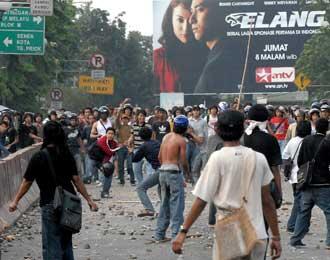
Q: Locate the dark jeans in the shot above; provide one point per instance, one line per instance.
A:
(107, 182)
(212, 214)
(123, 155)
(56, 242)
(319, 196)
(295, 209)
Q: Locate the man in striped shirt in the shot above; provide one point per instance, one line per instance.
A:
(137, 141)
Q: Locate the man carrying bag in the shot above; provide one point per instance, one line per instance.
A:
(56, 239)
(236, 179)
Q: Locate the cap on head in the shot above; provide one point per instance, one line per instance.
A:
(313, 111)
(325, 107)
(223, 106)
(181, 121)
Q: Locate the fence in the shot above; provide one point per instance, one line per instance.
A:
(12, 169)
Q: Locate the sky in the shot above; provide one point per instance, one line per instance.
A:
(138, 16)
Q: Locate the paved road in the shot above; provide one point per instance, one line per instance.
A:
(115, 233)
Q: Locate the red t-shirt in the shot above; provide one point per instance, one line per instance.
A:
(107, 146)
(164, 72)
(282, 129)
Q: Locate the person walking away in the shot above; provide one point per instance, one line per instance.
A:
(124, 131)
(56, 242)
(291, 152)
(136, 141)
(148, 150)
(221, 182)
(172, 154)
(109, 146)
(279, 126)
(317, 192)
(75, 142)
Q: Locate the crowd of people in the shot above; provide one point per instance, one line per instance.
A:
(208, 147)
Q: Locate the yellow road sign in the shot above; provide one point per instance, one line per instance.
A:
(97, 86)
(302, 81)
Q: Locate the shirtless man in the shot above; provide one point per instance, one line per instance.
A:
(172, 155)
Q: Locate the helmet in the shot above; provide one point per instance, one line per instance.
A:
(223, 106)
(313, 110)
(73, 116)
(108, 169)
(270, 107)
(325, 107)
(316, 105)
(188, 109)
(103, 109)
(181, 121)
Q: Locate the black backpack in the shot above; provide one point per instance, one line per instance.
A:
(95, 152)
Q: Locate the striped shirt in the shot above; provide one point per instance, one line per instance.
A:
(135, 132)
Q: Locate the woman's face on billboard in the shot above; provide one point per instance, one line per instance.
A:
(180, 23)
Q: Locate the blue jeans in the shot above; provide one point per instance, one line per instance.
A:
(107, 182)
(295, 209)
(3, 152)
(143, 187)
(137, 168)
(56, 242)
(172, 204)
(123, 155)
(310, 197)
(149, 169)
(91, 169)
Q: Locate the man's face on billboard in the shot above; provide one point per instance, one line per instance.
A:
(181, 26)
(199, 19)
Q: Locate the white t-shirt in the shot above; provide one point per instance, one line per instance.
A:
(289, 151)
(221, 179)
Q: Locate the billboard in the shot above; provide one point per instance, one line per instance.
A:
(200, 46)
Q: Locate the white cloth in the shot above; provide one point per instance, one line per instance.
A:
(289, 151)
(253, 124)
(101, 129)
(220, 183)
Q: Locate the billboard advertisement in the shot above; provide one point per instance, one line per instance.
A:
(200, 46)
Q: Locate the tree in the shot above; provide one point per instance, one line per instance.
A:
(315, 58)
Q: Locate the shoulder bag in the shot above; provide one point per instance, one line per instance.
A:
(288, 164)
(67, 206)
(305, 172)
(235, 234)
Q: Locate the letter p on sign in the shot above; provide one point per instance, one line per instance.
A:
(97, 61)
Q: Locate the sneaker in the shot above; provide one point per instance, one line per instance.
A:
(290, 231)
(105, 195)
(146, 213)
(99, 184)
(298, 244)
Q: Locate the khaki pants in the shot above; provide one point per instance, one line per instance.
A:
(258, 253)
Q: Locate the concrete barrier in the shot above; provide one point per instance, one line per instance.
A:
(12, 169)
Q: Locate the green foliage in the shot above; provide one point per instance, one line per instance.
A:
(315, 59)
(73, 35)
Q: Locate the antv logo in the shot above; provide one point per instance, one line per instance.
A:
(275, 75)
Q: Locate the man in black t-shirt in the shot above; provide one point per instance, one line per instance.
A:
(56, 242)
(28, 134)
(257, 138)
(162, 127)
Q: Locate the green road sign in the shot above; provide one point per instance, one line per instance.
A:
(21, 33)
